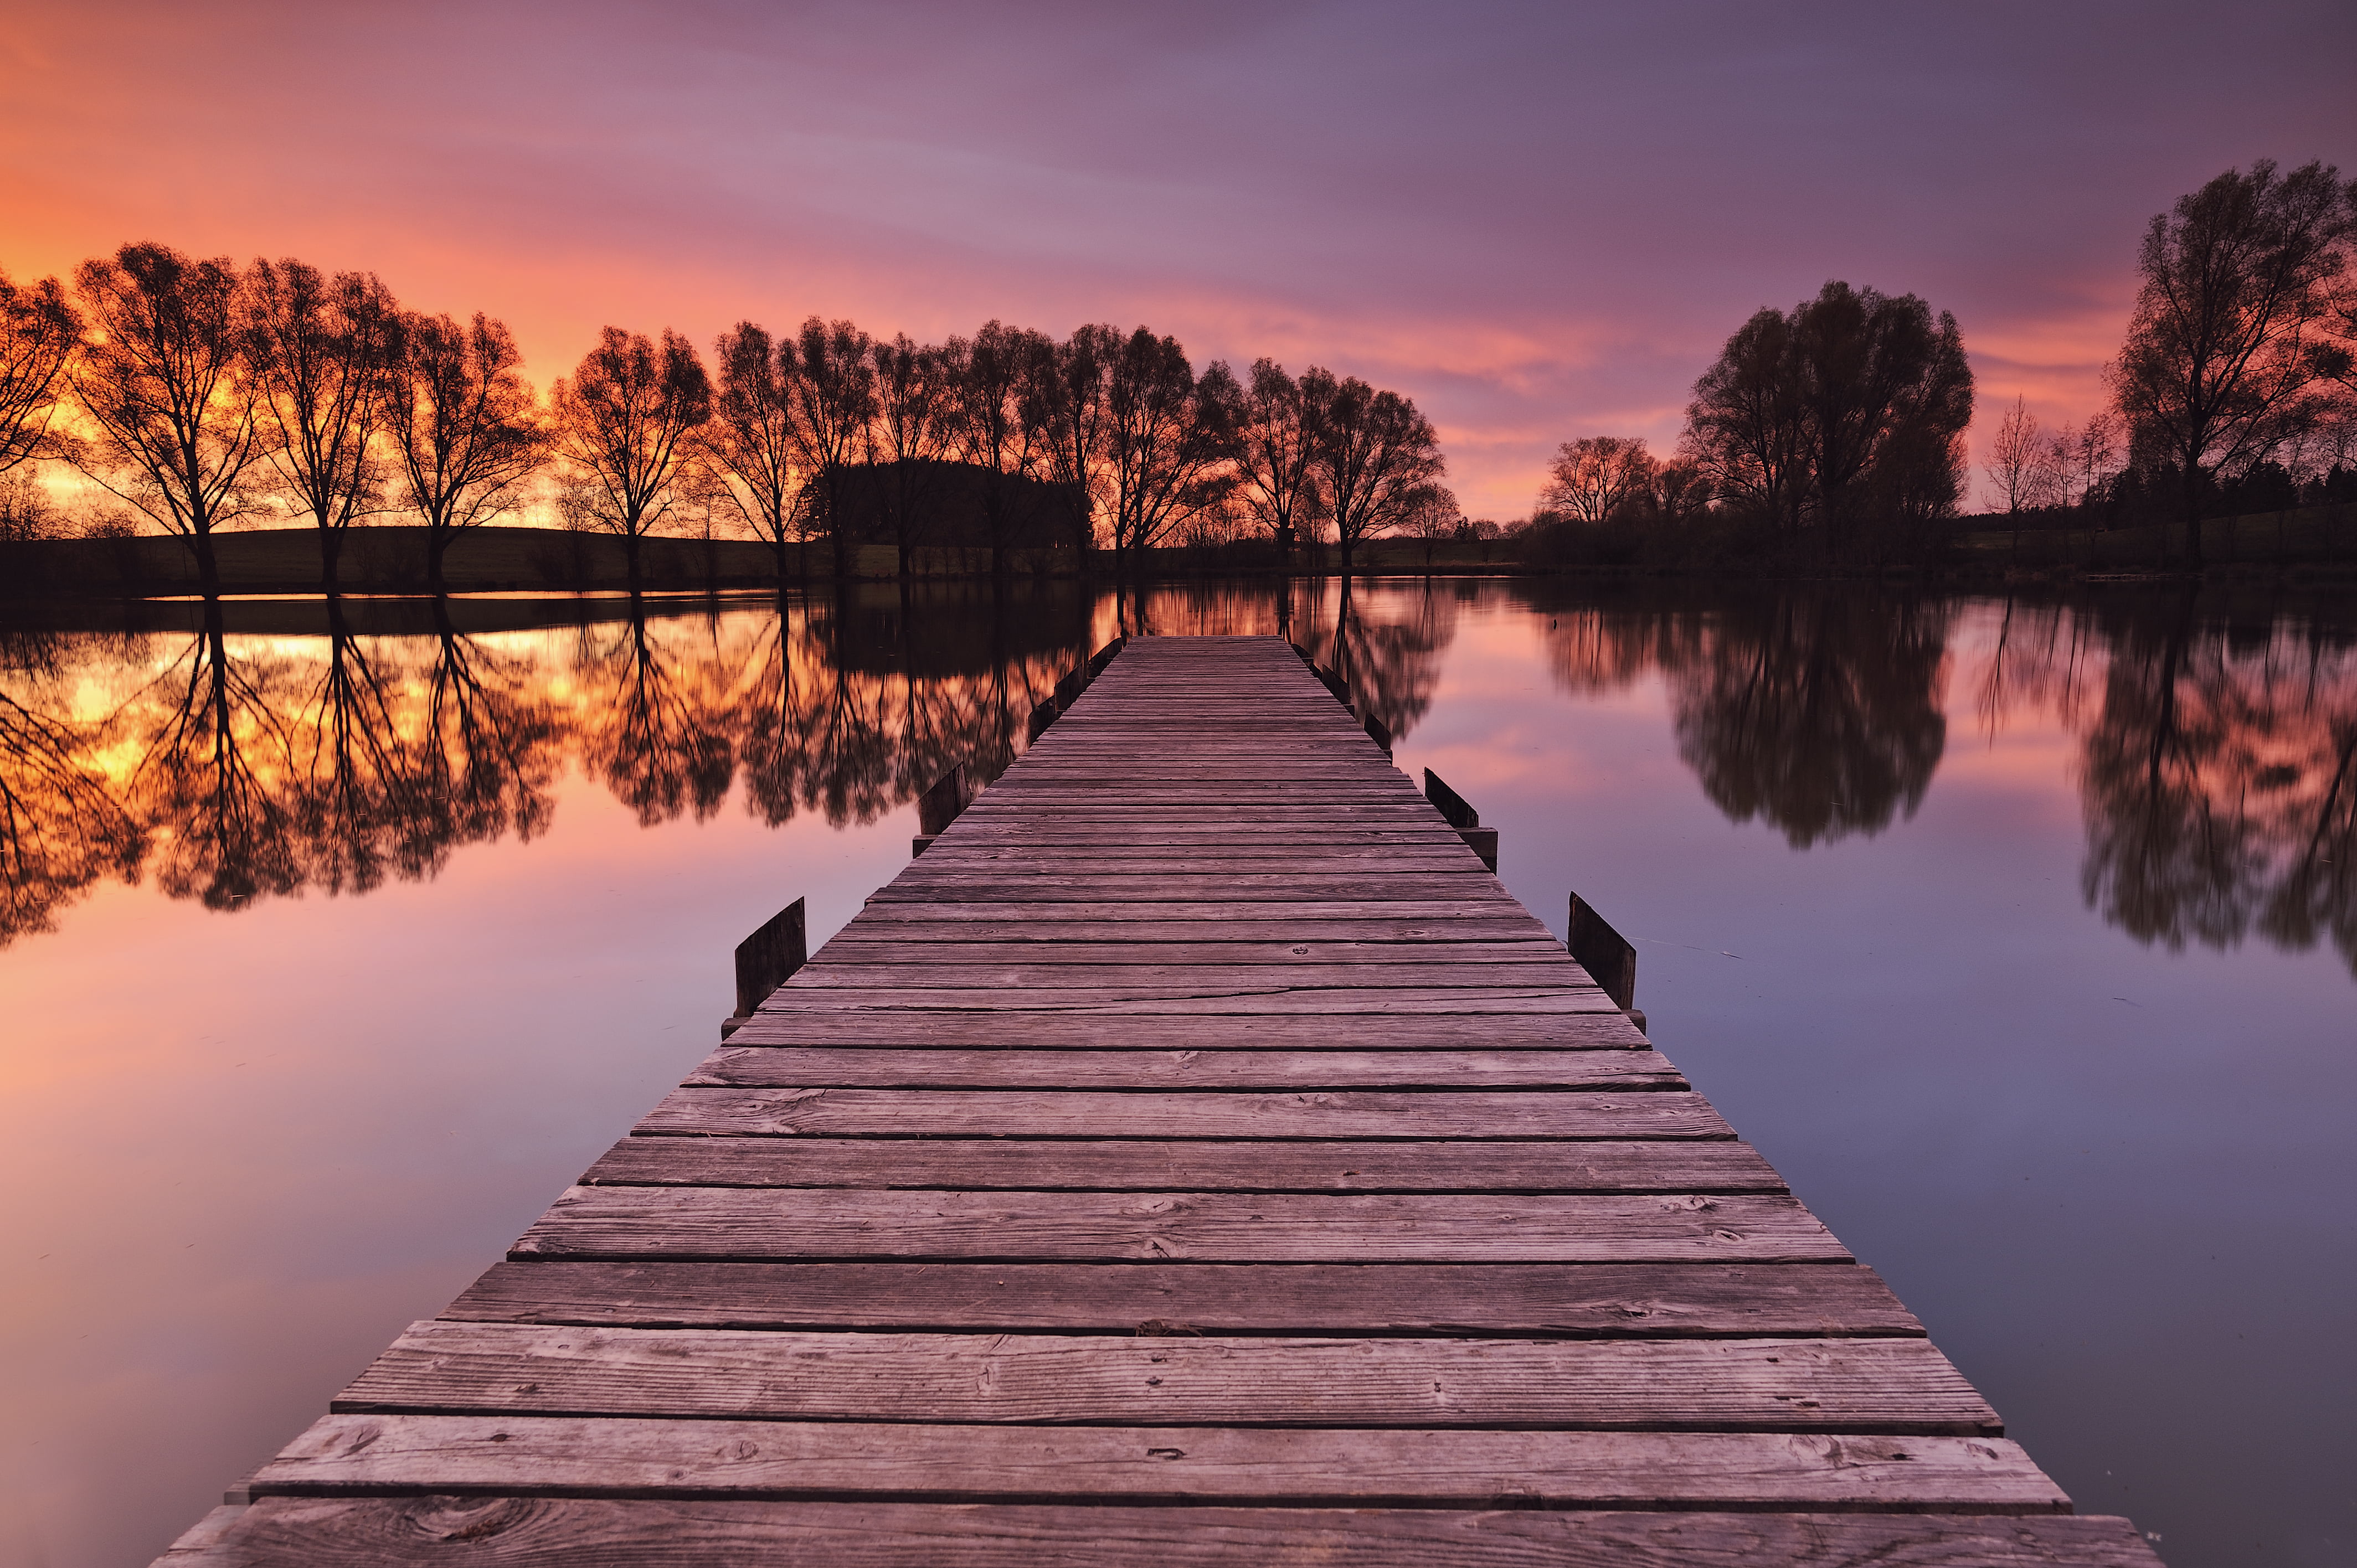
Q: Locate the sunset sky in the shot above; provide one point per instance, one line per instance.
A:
(1540, 221)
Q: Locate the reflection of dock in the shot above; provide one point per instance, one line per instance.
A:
(1195, 1156)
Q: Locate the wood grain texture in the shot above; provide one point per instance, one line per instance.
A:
(853, 1027)
(1089, 1113)
(771, 1223)
(351, 1455)
(1487, 1300)
(1189, 1165)
(1148, 1071)
(1887, 1386)
(543, 1532)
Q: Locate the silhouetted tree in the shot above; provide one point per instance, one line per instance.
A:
(1169, 438)
(1432, 516)
(1886, 392)
(319, 350)
(463, 425)
(2228, 341)
(915, 426)
(40, 334)
(751, 441)
(2015, 453)
(1065, 402)
(1276, 457)
(624, 422)
(1374, 452)
(1745, 427)
(832, 386)
(1593, 476)
(176, 422)
(991, 376)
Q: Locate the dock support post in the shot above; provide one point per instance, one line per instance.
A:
(766, 960)
(938, 807)
(1461, 816)
(1606, 955)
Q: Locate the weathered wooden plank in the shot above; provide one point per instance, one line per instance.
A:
(358, 1454)
(1047, 1165)
(771, 1223)
(1240, 887)
(783, 1066)
(1404, 973)
(1487, 1300)
(955, 943)
(1091, 1113)
(1455, 914)
(539, 1533)
(1386, 859)
(1892, 1386)
(1431, 920)
(1207, 998)
(855, 1027)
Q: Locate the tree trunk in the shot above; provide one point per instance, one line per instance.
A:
(208, 568)
(332, 546)
(2192, 487)
(630, 559)
(436, 542)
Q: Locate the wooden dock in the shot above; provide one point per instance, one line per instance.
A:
(1194, 1157)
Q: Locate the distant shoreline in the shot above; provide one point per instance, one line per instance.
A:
(391, 562)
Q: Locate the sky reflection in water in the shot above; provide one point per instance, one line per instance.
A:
(2019, 936)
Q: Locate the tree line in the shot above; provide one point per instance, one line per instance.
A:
(199, 395)
(1836, 430)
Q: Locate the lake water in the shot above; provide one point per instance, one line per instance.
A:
(2018, 934)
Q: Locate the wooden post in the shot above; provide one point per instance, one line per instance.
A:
(1042, 717)
(1333, 683)
(1104, 656)
(1067, 690)
(766, 959)
(1381, 731)
(1605, 953)
(938, 807)
(1461, 816)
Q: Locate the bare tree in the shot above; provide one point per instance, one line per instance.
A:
(751, 443)
(1374, 452)
(1064, 400)
(990, 376)
(833, 398)
(1595, 475)
(317, 348)
(40, 334)
(2014, 456)
(464, 426)
(1433, 515)
(2228, 341)
(177, 423)
(1275, 466)
(914, 428)
(1168, 437)
(623, 422)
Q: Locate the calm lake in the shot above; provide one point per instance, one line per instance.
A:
(2018, 934)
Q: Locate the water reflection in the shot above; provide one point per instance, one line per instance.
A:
(232, 763)
(251, 751)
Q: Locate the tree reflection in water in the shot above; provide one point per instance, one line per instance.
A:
(62, 826)
(2217, 756)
